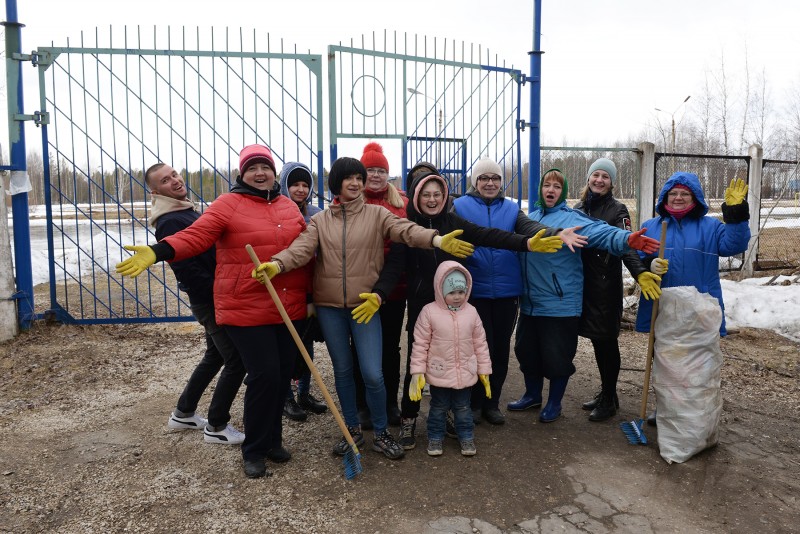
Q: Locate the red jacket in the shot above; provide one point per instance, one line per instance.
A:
(378, 198)
(232, 221)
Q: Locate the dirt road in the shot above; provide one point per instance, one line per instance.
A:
(83, 414)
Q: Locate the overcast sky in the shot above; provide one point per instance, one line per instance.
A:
(607, 63)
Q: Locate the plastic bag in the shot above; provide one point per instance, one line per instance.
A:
(686, 372)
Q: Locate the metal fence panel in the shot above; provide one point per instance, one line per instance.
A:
(779, 228)
(189, 99)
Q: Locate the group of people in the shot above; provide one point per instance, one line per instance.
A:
(464, 271)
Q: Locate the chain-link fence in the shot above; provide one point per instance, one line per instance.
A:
(715, 173)
(779, 227)
(574, 163)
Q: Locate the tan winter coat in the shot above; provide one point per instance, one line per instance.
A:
(350, 240)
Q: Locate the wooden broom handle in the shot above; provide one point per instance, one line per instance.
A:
(313, 368)
(651, 340)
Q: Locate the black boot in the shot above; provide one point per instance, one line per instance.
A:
(592, 404)
(393, 414)
(293, 411)
(309, 403)
(605, 408)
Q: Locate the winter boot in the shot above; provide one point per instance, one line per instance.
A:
(532, 397)
(605, 408)
(552, 409)
(311, 404)
(592, 404)
(293, 411)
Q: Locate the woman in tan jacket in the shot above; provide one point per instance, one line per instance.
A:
(348, 238)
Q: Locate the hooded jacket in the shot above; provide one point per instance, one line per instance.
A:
(602, 271)
(420, 265)
(348, 239)
(450, 347)
(694, 245)
(308, 209)
(554, 282)
(195, 275)
(269, 222)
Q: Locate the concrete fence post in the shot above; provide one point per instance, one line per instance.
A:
(756, 154)
(647, 182)
(9, 325)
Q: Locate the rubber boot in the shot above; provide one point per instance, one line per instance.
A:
(552, 409)
(532, 397)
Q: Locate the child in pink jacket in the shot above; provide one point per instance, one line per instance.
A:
(451, 353)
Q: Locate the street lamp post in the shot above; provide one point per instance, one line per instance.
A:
(672, 137)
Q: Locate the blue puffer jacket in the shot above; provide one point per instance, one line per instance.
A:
(495, 272)
(554, 282)
(694, 245)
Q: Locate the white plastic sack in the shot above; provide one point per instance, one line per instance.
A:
(686, 372)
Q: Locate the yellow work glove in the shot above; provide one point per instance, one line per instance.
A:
(485, 381)
(364, 312)
(545, 244)
(138, 263)
(649, 284)
(268, 269)
(659, 266)
(736, 192)
(415, 387)
(452, 245)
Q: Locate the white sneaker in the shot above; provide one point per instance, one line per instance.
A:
(193, 422)
(226, 436)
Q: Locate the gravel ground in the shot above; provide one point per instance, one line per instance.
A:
(83, 413)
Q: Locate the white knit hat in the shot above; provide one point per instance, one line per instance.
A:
(485, 166)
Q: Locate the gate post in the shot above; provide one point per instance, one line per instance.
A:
(754, 175)
(647, 181)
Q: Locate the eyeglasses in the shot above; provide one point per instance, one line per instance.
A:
(679, 194)
(429, 196)
(379, 172)
(489, 178)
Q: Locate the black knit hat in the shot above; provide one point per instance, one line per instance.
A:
(341, 169)
(298, 175)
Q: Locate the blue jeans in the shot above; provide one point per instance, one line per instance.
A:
(220, 354)
(457, 400)
(337, 327)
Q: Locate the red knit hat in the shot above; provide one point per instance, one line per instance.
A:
(255, 154)
(373, 157)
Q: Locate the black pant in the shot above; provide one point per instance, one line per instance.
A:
(499, 317)
(268, 354)
(410, 409)
(606, 353)
(392, 314)
(546, 346)
(220, 354)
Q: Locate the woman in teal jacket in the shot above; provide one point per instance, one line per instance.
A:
(552, 300)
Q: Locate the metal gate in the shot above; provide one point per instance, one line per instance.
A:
(430, 99)
(778, 235)
(191, 99)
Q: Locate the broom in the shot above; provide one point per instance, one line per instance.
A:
(634, 430)
(352, 459)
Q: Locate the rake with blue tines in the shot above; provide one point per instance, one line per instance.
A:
(352, 459)
(634, 430)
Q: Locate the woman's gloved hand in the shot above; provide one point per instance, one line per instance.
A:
(660, 266)
(143, 258)
(415, 387)
(639, 241)
(649, 284)
(452, 245)
(485, 381)
(736, 192)
(545, 244)
(364, 312)
(268, 269)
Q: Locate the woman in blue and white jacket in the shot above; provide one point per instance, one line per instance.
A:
(552, 300)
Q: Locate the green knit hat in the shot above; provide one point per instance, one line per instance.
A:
(563, 196)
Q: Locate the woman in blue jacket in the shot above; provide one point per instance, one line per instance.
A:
(552, 300)
(695, 241)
